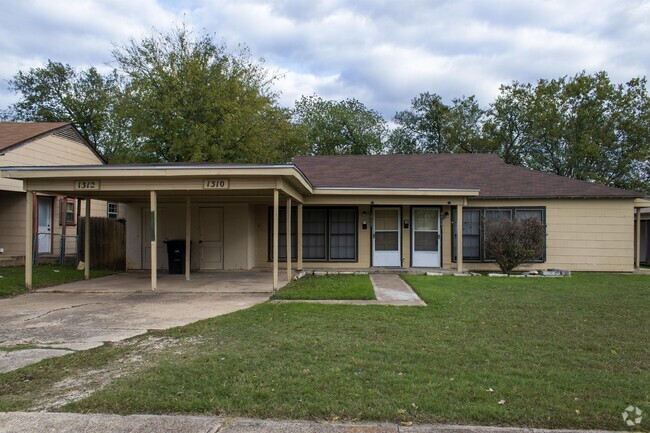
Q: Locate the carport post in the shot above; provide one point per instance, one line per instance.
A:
(299, 240)
(276, 226)
(188, 234)
(459, 237)
(288, 238)
(29, 238)
(154, 234)
(87, 241)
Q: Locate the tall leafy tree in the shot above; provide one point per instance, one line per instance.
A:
(345, 127)
(56, 92)
(431, 126)
(589, 128)
(506, 128)
(422, 128)
(189, 99)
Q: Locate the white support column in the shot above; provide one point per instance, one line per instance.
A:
(299, 240)
(188, 235)
(637, 255)
(87, 240)
(459, 237)
(288, 238)
(154, 239)
(29, 238)
(276, 226)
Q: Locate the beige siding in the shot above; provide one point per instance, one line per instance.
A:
(171, 225)
(582, 234)
(12, 223)
(46, 151)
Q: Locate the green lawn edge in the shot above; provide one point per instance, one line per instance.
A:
(326, 287)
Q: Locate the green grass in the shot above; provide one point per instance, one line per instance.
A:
(562, 353)
(328, 287)
(13, 277)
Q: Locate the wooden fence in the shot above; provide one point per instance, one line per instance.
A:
(107, 243)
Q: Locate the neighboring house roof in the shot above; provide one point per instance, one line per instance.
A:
(14, 134)
(486, 172)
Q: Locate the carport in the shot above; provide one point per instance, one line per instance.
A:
(182, 185)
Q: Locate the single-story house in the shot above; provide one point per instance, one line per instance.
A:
(54, 214)
(351, 212)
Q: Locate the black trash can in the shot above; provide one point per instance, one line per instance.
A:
(176, 256)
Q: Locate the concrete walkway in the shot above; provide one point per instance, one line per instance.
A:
(390, 289)
(23, 422)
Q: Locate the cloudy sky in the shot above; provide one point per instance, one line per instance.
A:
(381, 52)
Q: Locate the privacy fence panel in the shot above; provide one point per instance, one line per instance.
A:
(107, 243)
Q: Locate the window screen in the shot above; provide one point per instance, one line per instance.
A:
(314, 232)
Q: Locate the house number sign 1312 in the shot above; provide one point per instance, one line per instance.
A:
(216, 184)
(86, 185)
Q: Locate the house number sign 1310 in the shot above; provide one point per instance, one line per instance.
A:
(216, 184)
(86, 185)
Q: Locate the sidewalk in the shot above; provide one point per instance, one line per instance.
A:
(24, 422)
(390, 289)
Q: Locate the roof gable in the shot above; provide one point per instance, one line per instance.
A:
(14, 133)
(486, 172)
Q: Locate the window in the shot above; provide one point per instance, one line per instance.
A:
(328, 234)
(473, 228)
(68, 212)
(343, 234)
(112, 210)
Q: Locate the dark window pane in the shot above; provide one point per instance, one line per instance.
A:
(343, 227)
(386, 241)
(426, 241)
(523, 214)
(314, 233)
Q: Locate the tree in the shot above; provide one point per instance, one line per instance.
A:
(340, 127)
(588, 128)
(506, 129)
(190, 99)
(421, 129)
(430, 126)
(513, 242)
(57, 92)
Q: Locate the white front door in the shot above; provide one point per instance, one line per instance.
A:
(425, 237)
(44, 225)
(211, 237)
(386, 238)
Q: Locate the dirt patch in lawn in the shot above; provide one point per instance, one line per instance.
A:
(82, 383)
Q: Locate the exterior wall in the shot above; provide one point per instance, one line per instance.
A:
(582, 234)
(48, 150)
(12, 223)
(237, 239)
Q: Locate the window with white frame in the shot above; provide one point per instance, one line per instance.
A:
(112, 210)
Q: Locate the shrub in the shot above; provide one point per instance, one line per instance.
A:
(513, 242)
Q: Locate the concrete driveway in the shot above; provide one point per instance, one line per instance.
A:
(85, 314)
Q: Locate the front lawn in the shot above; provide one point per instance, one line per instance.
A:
(328, 287)
(12, 278)
(554, 353)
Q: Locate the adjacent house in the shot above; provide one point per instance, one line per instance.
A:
(351, 212)
(54, 214)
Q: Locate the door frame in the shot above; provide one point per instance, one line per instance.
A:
(399, 234)
(412, 234)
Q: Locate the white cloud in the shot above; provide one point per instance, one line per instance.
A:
(381, 52)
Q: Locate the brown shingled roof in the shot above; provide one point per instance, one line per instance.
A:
(12, 133)
(486, 172)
